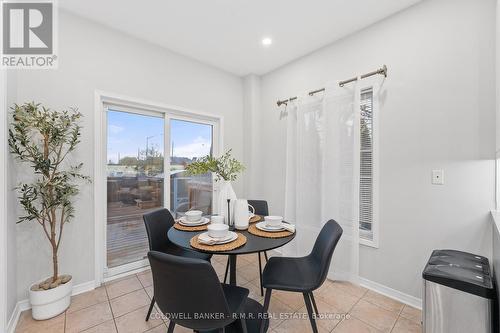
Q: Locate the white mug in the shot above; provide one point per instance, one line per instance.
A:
(217, 219)
(241, 214)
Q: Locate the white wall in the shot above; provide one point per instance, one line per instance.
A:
(251, 124)
(11, 213)
(437, 112)
(94, 57)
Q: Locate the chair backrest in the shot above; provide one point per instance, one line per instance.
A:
(158, 223)
(187, 288)
(260, 207)
(324, 246)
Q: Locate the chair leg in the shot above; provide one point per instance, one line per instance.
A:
(150, 308)
(267, 299)
(227, 270)
(307, 300)
(260, 276)
(314, 303)
(171, 327)
(265, 256)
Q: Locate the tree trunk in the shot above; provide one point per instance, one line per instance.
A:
(53, 241)
(54, 261)
(52, 217)
(53, 238)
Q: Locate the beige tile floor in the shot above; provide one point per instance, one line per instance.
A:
(121, 305)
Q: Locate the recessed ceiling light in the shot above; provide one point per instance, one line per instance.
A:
(266, 41)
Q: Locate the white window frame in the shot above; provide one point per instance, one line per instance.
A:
(363, 85)
(497, 180)
(123, 103)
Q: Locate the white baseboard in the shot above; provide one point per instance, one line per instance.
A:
(83, 287)
(14, 318)
(392, 293)
(24, 304)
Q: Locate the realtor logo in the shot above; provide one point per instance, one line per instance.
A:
(28, 35)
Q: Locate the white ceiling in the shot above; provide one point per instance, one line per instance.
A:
(227, 33)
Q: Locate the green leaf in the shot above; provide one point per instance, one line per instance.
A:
(224, 167)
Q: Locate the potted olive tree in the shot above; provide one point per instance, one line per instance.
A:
(43, 139)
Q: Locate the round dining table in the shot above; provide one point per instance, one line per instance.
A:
(254, 244)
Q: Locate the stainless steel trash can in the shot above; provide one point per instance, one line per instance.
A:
(458, 293)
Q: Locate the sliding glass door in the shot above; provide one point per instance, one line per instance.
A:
(135, 182)
(189, 141)
(141, 145)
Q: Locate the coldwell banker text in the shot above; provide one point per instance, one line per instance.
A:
(28, 39)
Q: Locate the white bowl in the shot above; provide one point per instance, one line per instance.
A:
(193, 215)
(217, 219)
(273, 221)
(218, 230)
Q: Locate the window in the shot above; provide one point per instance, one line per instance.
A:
(367, 179)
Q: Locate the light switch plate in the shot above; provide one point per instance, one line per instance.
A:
(438, 177)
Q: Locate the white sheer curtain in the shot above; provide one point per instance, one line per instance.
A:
(322, 173)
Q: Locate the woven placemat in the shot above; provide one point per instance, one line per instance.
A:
(257, 232)
(255, 218)
(179, 226)
(238, 242)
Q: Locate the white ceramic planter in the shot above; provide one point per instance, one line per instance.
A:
(225, 192)
(49, 303)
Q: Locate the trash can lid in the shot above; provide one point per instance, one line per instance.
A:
(476, 266)
(459, 254)
(456, 272)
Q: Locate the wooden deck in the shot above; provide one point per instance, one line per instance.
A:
(127, 240)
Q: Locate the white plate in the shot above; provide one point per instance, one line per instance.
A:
(263, 226)
(229, 238)
(202, 221)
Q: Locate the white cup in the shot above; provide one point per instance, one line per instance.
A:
(218, 230)
(193, 215)
(273, 221)
(217, 219)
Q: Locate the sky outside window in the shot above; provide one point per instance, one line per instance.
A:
(128, 133)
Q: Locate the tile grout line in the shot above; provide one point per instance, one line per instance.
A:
(281, 322)
(399, 316)
(154, 308)
(383, 308)
(126, 313)
(109, 302)
(347, 312)
(360, 319)
(335, 326)
(352, 307)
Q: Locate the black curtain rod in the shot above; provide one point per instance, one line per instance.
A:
(381, 71)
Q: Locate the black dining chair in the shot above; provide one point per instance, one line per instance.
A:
(261, 209)
(158, 223)
(304, 274)
(189, 293)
